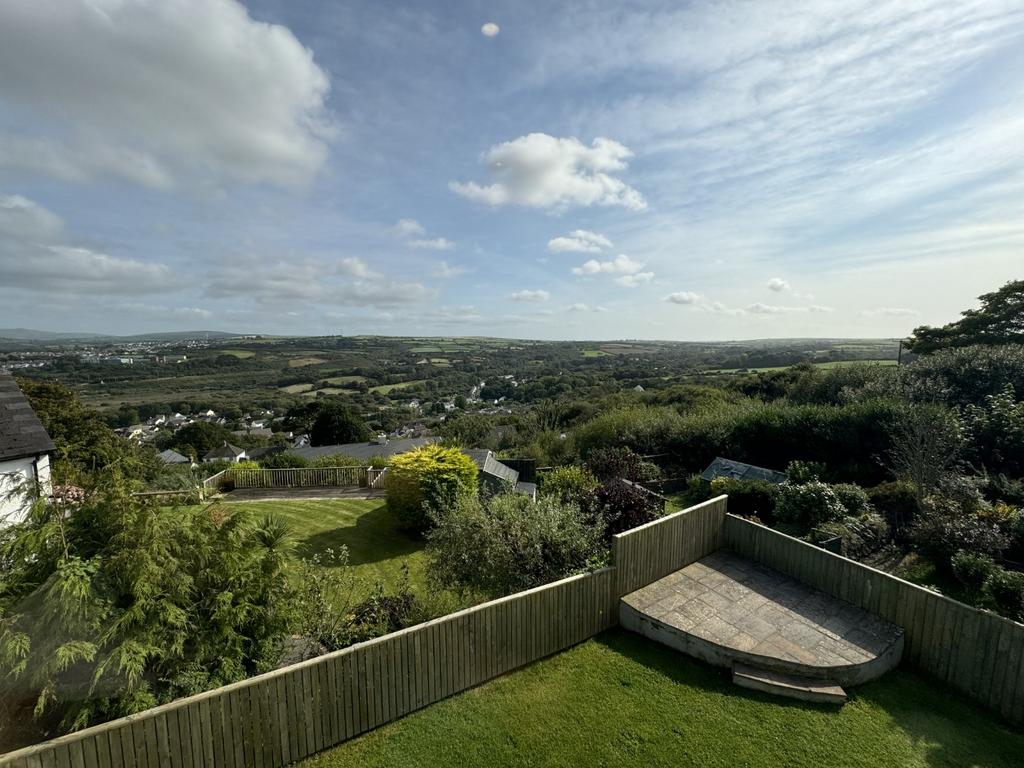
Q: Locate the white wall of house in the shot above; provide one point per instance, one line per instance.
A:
(14, 474)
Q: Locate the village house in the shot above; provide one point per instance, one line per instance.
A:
(25, 449)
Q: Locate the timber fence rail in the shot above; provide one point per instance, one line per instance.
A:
(976, 652)
(301, 477)
(289, 714)
(652, 551)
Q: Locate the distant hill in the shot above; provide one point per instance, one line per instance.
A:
(29, 334)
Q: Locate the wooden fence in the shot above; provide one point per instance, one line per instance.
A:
(976, 652)
(289, 714)
(301, 477)
(645, 554)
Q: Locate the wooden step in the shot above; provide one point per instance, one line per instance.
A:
(791, 686)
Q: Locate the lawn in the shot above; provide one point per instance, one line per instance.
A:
(377, 547)
(622, 700)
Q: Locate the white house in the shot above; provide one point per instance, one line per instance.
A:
(25, 450)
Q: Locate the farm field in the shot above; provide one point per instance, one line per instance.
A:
(385, 388)
(620, 699)
(823, 365)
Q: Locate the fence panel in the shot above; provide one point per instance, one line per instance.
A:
(291, 713)
(645, 554)
(976, 652)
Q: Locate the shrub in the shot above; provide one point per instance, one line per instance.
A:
(896, 501)
(338, 460)
(324, 590)
(972, 570)
(944, 527)
(1007, 591)
(808, 505)
(284, 461)
(854, 499)
(509, 543)
(804, 471)
(620, 463)
(571, 484)
(620, 505)
(860, 535)
(426, 479)
(382, 613)
(747, 497)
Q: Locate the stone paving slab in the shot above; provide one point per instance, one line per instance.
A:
(738, 604)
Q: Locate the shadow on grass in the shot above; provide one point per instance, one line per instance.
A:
(947, 727)
(376, 536)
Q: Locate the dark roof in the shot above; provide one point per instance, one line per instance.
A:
(364, 451)
(226, 451)
(486, 463)
(21, 432)
(737, 470)
(171, 456)
(528, 489)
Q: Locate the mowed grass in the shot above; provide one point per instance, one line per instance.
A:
(377, 546)
(622, 700)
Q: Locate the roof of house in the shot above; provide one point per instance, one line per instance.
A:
(363, 450)
(21, 432)
(171, 456)
(488, 464)
(737, 470)
(226, 451)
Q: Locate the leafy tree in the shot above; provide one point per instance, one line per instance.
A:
(199, 438)
(808, 505)
(329, 421)
(620, 463)
(426, 479)
(468, 430)
(996, 431)
(571, 484)
(84, 442)
(509, 543)
(999, 320)
(110, 604)
(620, 505)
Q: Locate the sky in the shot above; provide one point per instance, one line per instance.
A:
(571, 170)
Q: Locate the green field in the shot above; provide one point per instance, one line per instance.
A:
(594, 353)
(377, 547)
(825, 365)
(295, 389)
(339, 380)
(622, 700)
(241, 354)
(385, 388)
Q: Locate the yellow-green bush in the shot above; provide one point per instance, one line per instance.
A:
(428, 478)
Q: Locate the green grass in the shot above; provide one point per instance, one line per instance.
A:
(385, 388)
(339, 380)
(825, 365)
(241, 354)
(377, 547)
(621, 700)
(295, 389)
(594, 353)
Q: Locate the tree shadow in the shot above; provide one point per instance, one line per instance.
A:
(376, 536)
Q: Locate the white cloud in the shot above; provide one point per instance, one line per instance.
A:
(415, 233)
(683, 297)
(446, 270)
(528, 295)
(632, 281)
(778, 285)
(433, 244)
(889, 312)
(155, 92)
(36, 255)
(490, 29)
(769, 309)
(408, 228)
(542, 171)
(582, 307)
(579, 241)
(621, 264)
(355, 267)
(349, 282)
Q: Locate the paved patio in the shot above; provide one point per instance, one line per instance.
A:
(725, 610)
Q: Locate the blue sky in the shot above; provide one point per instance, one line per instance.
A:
(586, 170)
